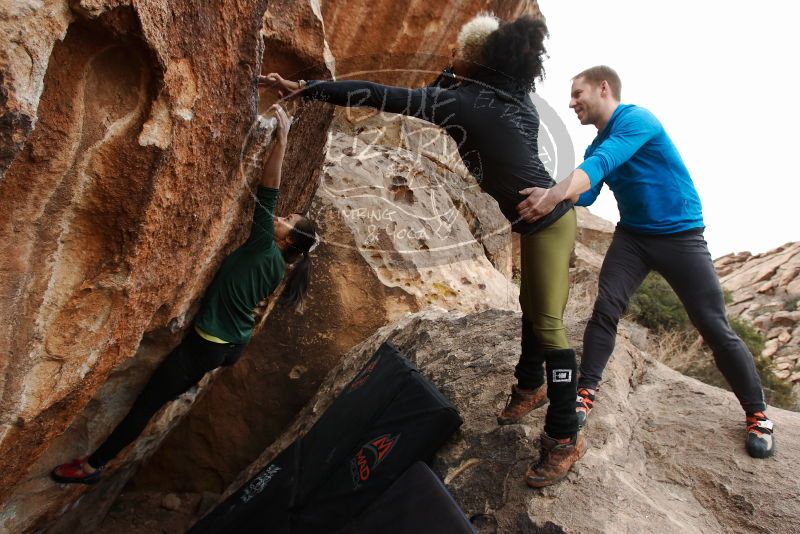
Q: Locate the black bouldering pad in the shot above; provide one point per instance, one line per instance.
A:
(387, 418)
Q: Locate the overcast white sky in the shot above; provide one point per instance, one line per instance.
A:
(722, 79)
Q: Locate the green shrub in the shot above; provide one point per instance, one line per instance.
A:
(778, 392)
(656, 306)
(749, 334)
(791, 305)
(727, 295)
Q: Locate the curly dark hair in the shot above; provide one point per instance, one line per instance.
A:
(516, 50)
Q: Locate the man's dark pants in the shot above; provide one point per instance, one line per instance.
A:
(685, 263)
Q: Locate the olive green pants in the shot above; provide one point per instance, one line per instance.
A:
(545, 280)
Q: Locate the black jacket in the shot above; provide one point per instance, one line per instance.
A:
(494, 124)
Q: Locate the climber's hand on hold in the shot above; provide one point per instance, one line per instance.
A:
(285, 88)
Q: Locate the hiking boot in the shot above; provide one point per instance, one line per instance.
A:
(583, 405)
(520, 403)
(760, 442)
(74, 473)
(556, 457)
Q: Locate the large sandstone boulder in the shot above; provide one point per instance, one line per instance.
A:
(358, 286)
(667, 452)
(765, 290)
(404, 227)
(129, 141)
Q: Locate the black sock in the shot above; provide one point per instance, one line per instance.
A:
(561, 421)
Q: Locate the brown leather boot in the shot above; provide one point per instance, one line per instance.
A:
(520, 403)
(555, 460)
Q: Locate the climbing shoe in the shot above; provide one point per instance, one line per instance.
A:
(556, 458)
(584, 404)
(520, 403)
(760, 441)
(73, 473)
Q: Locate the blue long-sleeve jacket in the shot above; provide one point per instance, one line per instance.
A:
(636, 158)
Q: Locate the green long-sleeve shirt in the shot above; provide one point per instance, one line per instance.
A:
(248, 275)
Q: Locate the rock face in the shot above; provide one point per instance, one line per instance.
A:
(429, 238)
(643, 471)
(403, 43)
(594, 232)
(766, 291)
(129, 140)
(128, 144)
(404, 227)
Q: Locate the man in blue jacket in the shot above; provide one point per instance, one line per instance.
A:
(660, 228)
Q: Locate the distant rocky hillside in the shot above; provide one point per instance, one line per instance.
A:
(766, 291)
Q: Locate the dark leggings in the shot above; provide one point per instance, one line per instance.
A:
(685, 263)
(180, 370)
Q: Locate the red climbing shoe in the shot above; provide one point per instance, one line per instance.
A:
(74, 473)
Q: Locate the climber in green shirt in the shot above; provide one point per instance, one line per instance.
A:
(244, 278)
(227, 316)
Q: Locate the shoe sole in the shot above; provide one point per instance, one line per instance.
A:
(544, 484)
(504, 422)
(582, 424)
(68, 480)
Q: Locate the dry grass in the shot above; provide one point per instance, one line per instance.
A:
(685, 352)
(677, 349)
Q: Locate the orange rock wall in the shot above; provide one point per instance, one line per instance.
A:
(411, 40)
(117, 206)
